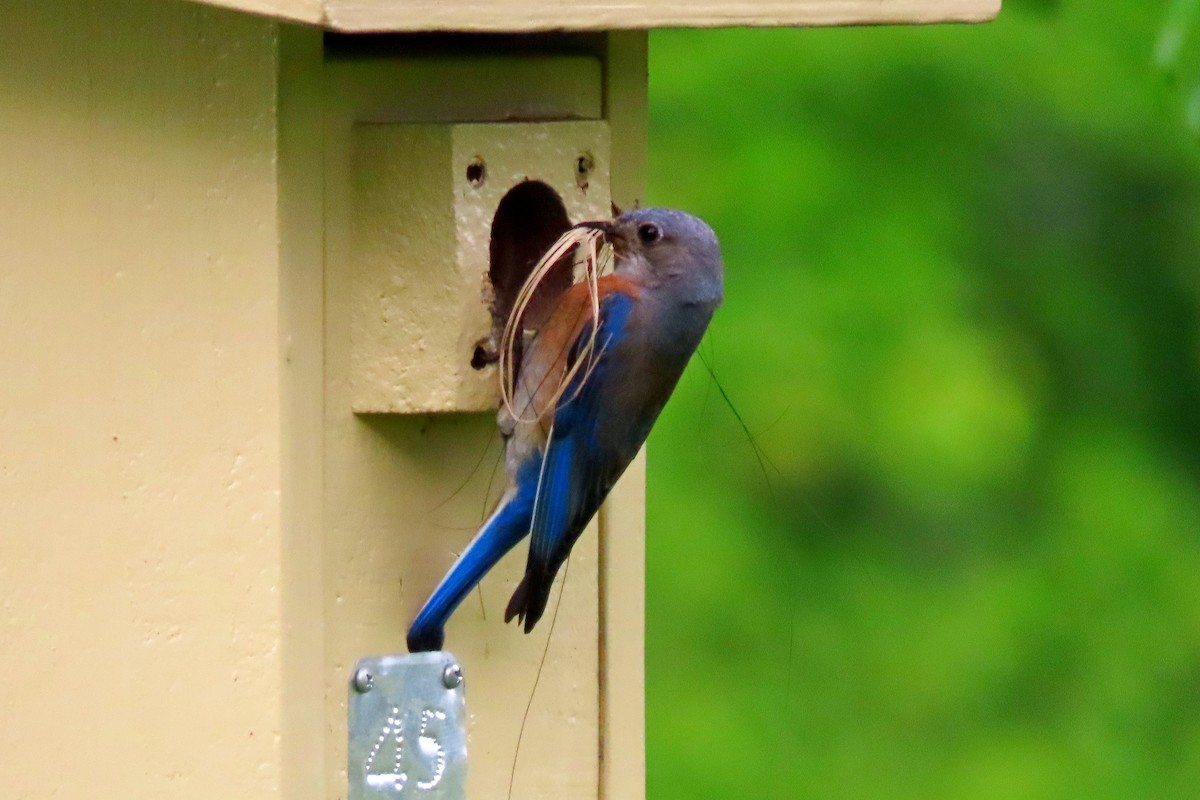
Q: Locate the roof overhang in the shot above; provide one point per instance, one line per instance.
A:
(364, 16)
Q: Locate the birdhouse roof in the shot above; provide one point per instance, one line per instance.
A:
(580, 15)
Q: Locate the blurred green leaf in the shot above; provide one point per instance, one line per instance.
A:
(963, 320)
(1175, 54)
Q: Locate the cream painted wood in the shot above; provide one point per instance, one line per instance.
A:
(306, 728)
(197, 537)
(422, 245)
(537, 15)
(623, 518)
(310, 11)
(140, 511)
(403, 494)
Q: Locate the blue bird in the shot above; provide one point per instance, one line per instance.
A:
(563, 454)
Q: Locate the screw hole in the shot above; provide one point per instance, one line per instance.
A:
(476, 173)
(583, 169)
(483, 356)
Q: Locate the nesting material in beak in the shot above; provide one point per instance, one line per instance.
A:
(604, 226)
(590, 238)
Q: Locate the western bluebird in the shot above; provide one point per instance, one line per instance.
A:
(564, 453)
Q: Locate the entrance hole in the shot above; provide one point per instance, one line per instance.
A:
(529, 219)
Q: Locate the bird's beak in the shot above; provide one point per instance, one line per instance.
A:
(604, 226)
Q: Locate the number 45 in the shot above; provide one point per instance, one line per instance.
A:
(394, 760)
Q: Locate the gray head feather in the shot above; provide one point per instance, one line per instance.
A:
(671, 250)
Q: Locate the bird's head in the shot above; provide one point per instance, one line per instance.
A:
(661, 247)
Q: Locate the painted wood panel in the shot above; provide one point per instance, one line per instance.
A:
(405, 493)
(527, 15)
(195, 530)
(140, 523)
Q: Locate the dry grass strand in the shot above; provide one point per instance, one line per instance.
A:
(596, 256)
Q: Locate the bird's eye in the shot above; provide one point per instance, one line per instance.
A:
(649, 233)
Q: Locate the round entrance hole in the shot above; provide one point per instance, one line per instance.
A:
(528, 220)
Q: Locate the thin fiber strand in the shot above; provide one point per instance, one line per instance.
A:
(593, 263)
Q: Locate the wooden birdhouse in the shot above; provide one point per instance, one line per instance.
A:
(246, 259)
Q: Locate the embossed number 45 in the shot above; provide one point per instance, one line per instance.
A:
(395, 759)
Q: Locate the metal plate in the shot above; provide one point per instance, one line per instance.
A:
(408, 728)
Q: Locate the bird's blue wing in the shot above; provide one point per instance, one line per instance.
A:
(578, 468)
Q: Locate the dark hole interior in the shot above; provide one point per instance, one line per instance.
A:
(528, 220)
(476, 172)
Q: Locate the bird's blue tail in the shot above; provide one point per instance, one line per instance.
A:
(507, 526)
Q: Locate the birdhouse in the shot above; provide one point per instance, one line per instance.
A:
(251, 250)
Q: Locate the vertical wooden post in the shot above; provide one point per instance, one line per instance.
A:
(403, 493)
(301, 347)
(623, 518)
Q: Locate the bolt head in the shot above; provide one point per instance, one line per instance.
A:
(363, 680)
(452, 677)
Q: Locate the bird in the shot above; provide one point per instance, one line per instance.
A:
(563, 454)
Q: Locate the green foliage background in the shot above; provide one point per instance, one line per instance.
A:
(963, 275)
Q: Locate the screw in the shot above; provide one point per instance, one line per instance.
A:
(452, 677)
(363, 680)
